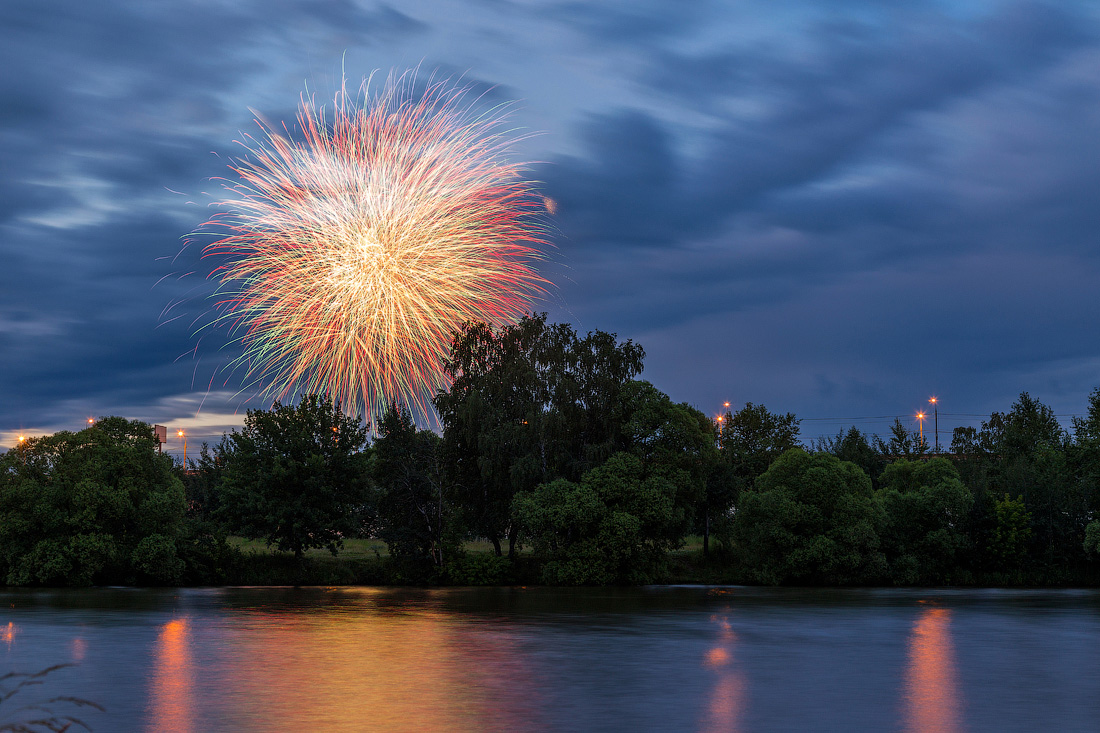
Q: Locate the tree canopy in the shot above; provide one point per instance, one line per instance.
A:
(296, 476)
(100, 505)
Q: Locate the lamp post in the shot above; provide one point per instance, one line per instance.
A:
(936, 412)
(181, 434)
(920, 419)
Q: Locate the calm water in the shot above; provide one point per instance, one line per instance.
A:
(654, 659)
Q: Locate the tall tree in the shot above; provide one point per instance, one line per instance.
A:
(927, 516)
(411, 493)
(902, 443)
(856, 447)
(296, 476)
(529, 403)
(749, 441)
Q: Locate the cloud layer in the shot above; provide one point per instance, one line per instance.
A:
(835, 210)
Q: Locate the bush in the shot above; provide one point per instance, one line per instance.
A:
(478, 569)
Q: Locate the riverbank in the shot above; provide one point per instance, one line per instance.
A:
(366, 562)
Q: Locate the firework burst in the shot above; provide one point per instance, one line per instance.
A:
(355, 247)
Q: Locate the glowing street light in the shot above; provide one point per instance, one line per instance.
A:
(920, 418)
(935, 409)
(181, 434)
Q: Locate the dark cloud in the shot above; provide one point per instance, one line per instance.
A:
(825, 207)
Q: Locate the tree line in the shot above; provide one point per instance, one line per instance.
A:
(574, 472)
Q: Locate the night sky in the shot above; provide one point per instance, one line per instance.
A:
(836, 209)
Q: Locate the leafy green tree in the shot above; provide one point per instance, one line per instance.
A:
(1009, 540)
(856, 447)
(1091, 544)
(296, 476)
(1084, 458)
(1027, 427)
(616, 525)
(1027, 452)
(927, 513)
(902, 443)
(752, 438)
(810, 519)
(749, 441)
(201, 485)
(100, 505)
(411, 494)
(529, 403)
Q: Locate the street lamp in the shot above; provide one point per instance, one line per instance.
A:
(936, 411)
(920, 418)
(181, 434)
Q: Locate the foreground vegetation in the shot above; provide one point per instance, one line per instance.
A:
(555, 465)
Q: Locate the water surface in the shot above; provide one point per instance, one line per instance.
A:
(540, 659)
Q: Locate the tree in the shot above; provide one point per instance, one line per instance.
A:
(1091, 545)
(749, 440)
(1009, 539)
(927, 511)
(1028, 456)
(100, 505)
(902, 443)
(1028, 426)
(752, 438)
(1084, 459)
(616, 525)
(409, 477)
(296, 476)
(810, 519)
(529, 403)
(202, 484)
(856, 447)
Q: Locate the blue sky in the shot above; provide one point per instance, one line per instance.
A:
(835, 209)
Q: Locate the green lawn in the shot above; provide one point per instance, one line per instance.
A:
(356, 549)
(353, 549)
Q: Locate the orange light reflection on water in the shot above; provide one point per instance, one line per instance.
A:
(371, 671)
(171, 701)
(931, 687)
(727, 701)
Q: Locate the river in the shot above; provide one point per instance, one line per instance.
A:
(549, 659)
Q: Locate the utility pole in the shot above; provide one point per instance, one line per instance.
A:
(936, 412)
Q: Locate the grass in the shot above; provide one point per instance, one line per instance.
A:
(355, 549)
(352, 550)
